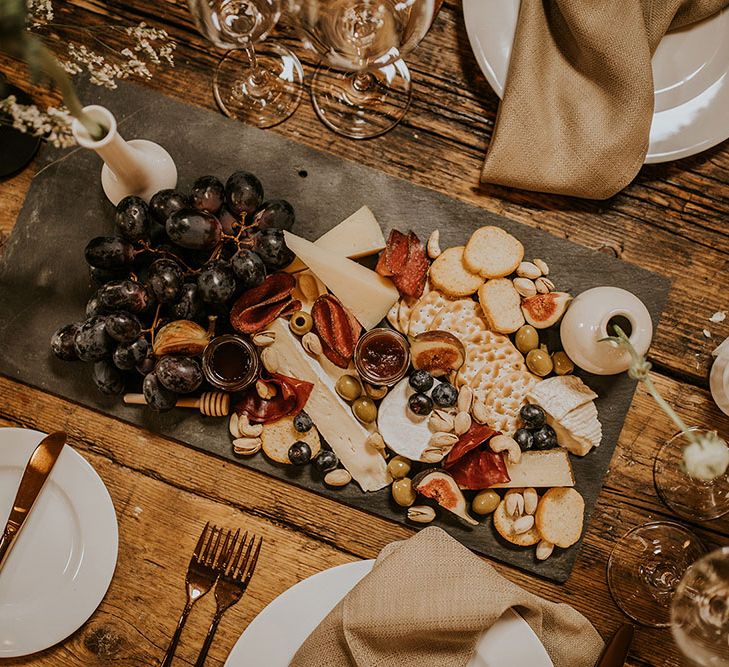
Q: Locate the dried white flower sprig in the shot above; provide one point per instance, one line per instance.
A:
(706, 457)
(53, 124)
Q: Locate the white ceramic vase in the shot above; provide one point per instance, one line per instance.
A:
(719, 378)
(586, 322)
(136, 167)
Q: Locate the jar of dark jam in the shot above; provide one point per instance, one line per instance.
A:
(230, 362)
(382, 356)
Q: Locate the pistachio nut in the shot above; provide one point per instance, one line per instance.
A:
(462, 423)
(233, 425)
(523, 524)
(514, 504)
(421, 513)
(248, 430)
(265, 390)
(531, 500)
(528, 270)
(247, 446)
(338, 477)
(269, 359)
(312, 344)
(525, 287)
(544, 285)
(544, 550)
(542, 266)
(465, 398)
(264, 338)
(441, 421)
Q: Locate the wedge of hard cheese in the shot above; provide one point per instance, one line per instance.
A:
(540, 469)
(360, 235)
(366, 294)
(332, 416)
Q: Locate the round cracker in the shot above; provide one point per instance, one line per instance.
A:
(487, 357)
(424, 312)
(503, 402)
(462, 318)
(560, 516)
(277, 437)
(505, 527)
(449, 274)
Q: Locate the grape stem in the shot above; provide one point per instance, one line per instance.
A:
(155, 322)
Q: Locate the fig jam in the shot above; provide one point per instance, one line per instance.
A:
(382, 356)
(230, 362)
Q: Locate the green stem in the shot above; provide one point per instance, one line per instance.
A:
(663, 404)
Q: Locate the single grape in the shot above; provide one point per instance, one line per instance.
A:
(325, 461)
(249, 268)
(158, 398)
(189, 305)
(420, 404)
(123, 327)
(179, 374)
(300, 453)
(109, 252)
(444, 395)
(208, 194)
(302, 422)
(421, 381)
(545, 438)
(165, 202)
(243, 193)
(94, 307)
(91, 342)
(108, 378)
(132, 218)
(216, 282)
(197, 230)
(533, 415)
(147, 364)
(103, 276)
(125, 295)
(276, 213)
(228, 221)
(128, 355)
(271, 247)
(165, 280)
(62, 342)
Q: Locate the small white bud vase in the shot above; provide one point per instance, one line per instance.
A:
(586, 323)
(719, 378)
(136, 167)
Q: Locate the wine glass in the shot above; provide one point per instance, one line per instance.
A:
(700, 610)
(262, 86)
(367, 38)
(691, 498)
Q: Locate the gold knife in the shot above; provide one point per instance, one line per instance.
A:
(39, 466)
(616, 650)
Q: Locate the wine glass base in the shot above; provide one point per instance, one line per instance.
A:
(688, 497)
(646, 566)
(361, 111)
(241, 92)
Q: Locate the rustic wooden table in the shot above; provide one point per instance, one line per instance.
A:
(672, 220)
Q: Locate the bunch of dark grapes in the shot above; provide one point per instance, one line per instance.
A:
(183, 256)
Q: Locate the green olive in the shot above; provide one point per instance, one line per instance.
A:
(349, 387)
(398, 467)
(364, 409)
(301, 323)
(527, 339)
(485, 502)
(563, 365)
(402, 492)
(539, 362)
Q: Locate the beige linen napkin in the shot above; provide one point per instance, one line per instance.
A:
(426, 603)
(578, 100)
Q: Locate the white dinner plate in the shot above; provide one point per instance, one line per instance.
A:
(690, 72)
(280, 629)
(63, 560)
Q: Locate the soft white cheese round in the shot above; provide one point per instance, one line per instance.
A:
(404, 433)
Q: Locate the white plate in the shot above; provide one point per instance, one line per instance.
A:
(64, 558)
(690, 72)
(280, 629)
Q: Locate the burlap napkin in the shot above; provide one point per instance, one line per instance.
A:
(578, 100)
(426, 603)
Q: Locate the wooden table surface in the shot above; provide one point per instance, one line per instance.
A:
(672, 220)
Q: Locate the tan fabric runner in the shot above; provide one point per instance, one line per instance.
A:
(578, 100)
(426, 603)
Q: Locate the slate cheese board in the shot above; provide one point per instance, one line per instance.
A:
(44, 280)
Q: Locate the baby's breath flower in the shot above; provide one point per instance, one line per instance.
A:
(40, 12)
(53, 124)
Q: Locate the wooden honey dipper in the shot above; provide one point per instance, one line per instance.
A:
(210, 403)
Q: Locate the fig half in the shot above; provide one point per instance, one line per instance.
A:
(544, 310)
(438, 352)
(441, 487)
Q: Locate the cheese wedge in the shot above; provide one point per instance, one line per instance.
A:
(360, 235)
(561, 395)
(540, 469)
(366, 294)
(332, 416)
(579, 430)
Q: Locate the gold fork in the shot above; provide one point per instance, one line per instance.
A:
(231, 586)
(210, 555)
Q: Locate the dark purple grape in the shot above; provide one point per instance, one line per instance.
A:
(277, 213)
(421, 380)
(302, 422)
(249, 268)
(109, 252)
(444, 395)
(545, 438)
(166, 202)
(216, 282)
(532, 415)
(128, 355)
(272, 248)
(196, 230)
(147, 364)
(132, 218)
(103, 276)
(300, 453)
(189, 304)
(420, 404)
(125, 295)
(91, 342)
(108, 378)
(62, 342)
(208, 194)
(165, 280)
(123, 327)
(325, 461)
(158, 235)
(179, 374)
(94, 307)
(158, 398)
(243, 193)
(524, 438)
(228, 221)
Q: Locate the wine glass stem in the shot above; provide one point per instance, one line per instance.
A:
(258, 76)
(363, 81)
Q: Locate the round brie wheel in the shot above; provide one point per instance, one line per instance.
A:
(404, 432)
